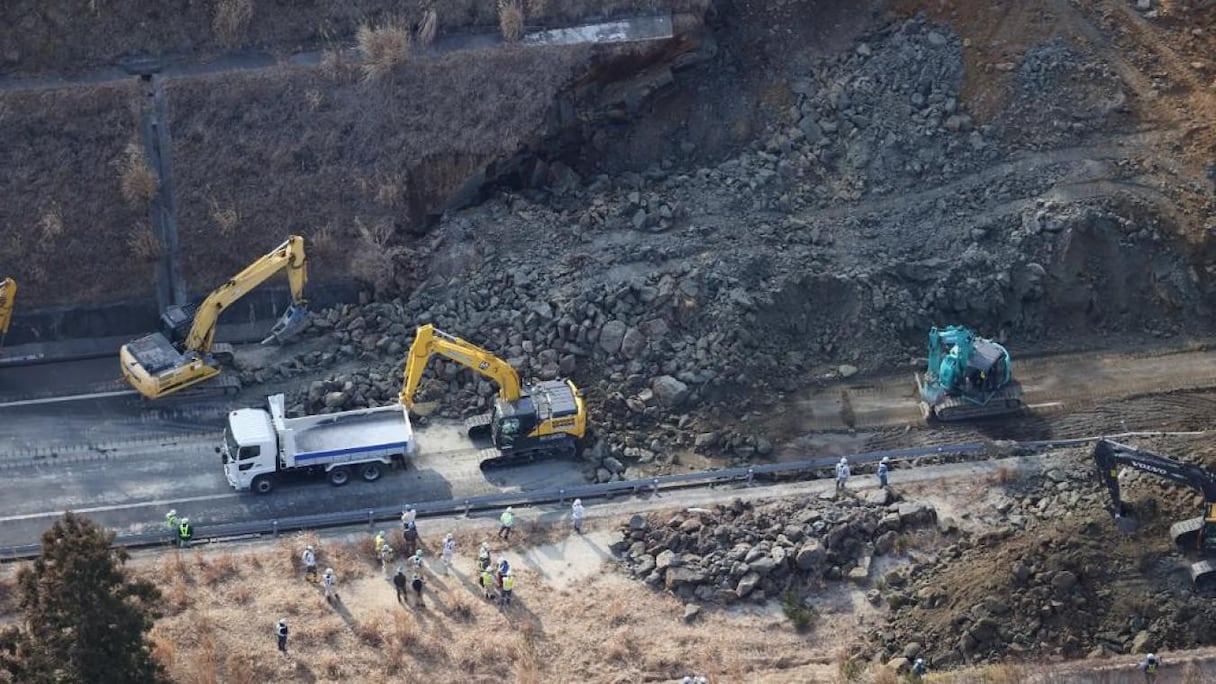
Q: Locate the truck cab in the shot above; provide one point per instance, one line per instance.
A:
(250, 448)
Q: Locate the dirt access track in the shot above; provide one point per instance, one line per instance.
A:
(1054, 384)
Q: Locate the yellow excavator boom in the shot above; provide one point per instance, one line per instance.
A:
(428, 341)
(8, 297)
(156, 367)
(289, 255)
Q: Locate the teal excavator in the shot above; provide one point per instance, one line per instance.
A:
(968, 378)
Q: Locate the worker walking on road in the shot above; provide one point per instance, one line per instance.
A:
(310, 563)
(449, 550)
(918, 669)
(185, 532)
(883, 469)
(399, 583)
(172, 521)
(1150, 667)
(330, 582)
(576, 514)
(281, 632)
(508, 586)
(416, 561)
(507, 519)
(842, 473)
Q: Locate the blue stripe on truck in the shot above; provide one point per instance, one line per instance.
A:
(352, 450)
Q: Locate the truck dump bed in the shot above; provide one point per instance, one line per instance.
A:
(340, 437)
(346, 433)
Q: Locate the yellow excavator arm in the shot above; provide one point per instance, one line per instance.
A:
(8, 295)
(156, 367)
(429, 341)
(289, 255)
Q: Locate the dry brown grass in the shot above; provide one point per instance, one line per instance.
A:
(428, 26)
(226, 219)
(136, 178)
(231, 19)
(1006, 475)
(384, 47)
(511, 20)
(385, 189)
(144, 244)
(374, 259)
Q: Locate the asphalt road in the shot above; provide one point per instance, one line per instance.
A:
(129, 489)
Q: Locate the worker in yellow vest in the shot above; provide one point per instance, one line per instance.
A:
(508, 586)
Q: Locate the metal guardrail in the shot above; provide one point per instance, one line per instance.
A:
(465, 506)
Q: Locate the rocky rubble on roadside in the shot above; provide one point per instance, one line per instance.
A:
(683, 299)
(746, 552)
(1047, 578)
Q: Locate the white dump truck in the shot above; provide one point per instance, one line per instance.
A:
(263, 447)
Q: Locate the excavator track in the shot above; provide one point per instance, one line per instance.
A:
(956, 410)
(1203, 573)
(1185, 533)
(493, 458)
(478, 427)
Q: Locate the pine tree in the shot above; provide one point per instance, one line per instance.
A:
(84, 619)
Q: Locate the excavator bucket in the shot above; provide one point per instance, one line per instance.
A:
(292, 320)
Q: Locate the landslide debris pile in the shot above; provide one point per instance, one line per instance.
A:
(741, 551)
(678, 296)
(1050, 577)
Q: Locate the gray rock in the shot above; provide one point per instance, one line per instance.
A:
(633, 343)
(665, 559)
(1142, 642)
(335, 399)
(669, 391)
(613, 464)
(637, 523)
(677, 576)
(691, 612)
(885, 542)
(639, 219)
(603, 475)
(810, 554)
(1063, 581)
(847, 370)
(763, 565)
(705, 440)
(644, 565)
(746, 584)
(611, 336)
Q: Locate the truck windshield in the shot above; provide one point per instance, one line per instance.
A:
(230, 445)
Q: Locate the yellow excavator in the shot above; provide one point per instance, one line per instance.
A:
(158, 367)
(528, 422)
(8, 297)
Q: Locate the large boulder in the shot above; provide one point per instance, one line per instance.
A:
(633, 343)
(746, 584)
(810, 554)
(669, 391)
(611, 336)
(677, 576)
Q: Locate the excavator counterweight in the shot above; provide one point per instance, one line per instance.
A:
(158, 366)
(528, 422)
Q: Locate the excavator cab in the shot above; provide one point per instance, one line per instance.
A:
(528, 422)
(967, 378)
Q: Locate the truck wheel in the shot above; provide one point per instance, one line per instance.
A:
(370, 472)
(339, 476)
(262, 484)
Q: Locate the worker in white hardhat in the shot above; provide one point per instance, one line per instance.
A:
(281, 632)
(310, 562)
(576, 515)
(842, 473)
(449, 550)
(507, 519)
(883, 468)
(331, 584)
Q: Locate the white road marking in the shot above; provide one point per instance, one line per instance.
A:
(119, 507)
(74, 397)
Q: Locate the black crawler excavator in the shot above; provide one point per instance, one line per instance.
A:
(1193, 535)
